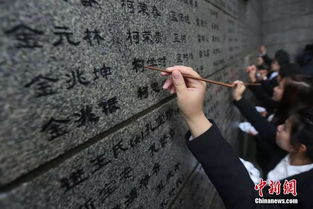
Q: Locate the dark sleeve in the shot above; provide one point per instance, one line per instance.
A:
(223, 168)
(263, 97)
(267, 59)
(267, 131)
(269, 85)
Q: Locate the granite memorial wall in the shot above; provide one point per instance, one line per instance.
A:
(288, 25)
(85, 126)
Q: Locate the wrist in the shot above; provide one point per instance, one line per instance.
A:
(198, 124)
(237, 98)
(253, 79)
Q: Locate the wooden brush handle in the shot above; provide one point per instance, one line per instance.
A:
(201, 79)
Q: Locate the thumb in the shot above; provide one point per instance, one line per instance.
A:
(179, 82)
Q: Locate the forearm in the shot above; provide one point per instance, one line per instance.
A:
(223, 168)
(266, 130)
(198, 125)
(263, 97)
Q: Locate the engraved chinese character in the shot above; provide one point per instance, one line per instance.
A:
(91, 36)
(152, 62)
(152, 149)
(75, 77)
(158, 37)
(89, 3)
(169, 175)
(133, 37)
(76, 178)
(89, 204)
(104, 71)
(27, 37)
(126, 174)
(62, 31)
(99, 162)
(43, 85)
(144, 181)
(55, 128)
(107, 190)
(109, 106)
(155, 12)
(130, 198)
(129, 4)
(147, 37)
(142, 92)
(160, 187)
(156, 168)
(173, 16)
(156, 87)
(86, 116)
(138, 65)
(118, 147)
(143, 9)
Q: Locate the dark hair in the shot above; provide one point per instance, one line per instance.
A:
(282, 57)
(302, 130)
(290, 69)
(263, 67)
(298, 93)
(305, 56)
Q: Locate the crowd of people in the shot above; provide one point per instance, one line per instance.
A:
(281, 125)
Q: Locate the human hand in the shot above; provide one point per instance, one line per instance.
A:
(262, 50)
(260, 61)
(190, 97)
(238, 90)
(252, 73)
(190, 92)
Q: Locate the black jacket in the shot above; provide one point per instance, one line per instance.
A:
(264, 93)
(232, 180)
(267, 59)
(263, 98)
(266, 138)
(269, 85)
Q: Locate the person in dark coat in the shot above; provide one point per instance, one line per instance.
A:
(222, 165)
(281, 56)
(280, 59)
(293, 93)
(305, 59)
(264, 94)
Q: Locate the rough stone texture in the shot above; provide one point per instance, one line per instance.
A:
(155, 139)
(192, 194)
(95, 93)
(26, 141)
(160, 157)
(287, 25)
